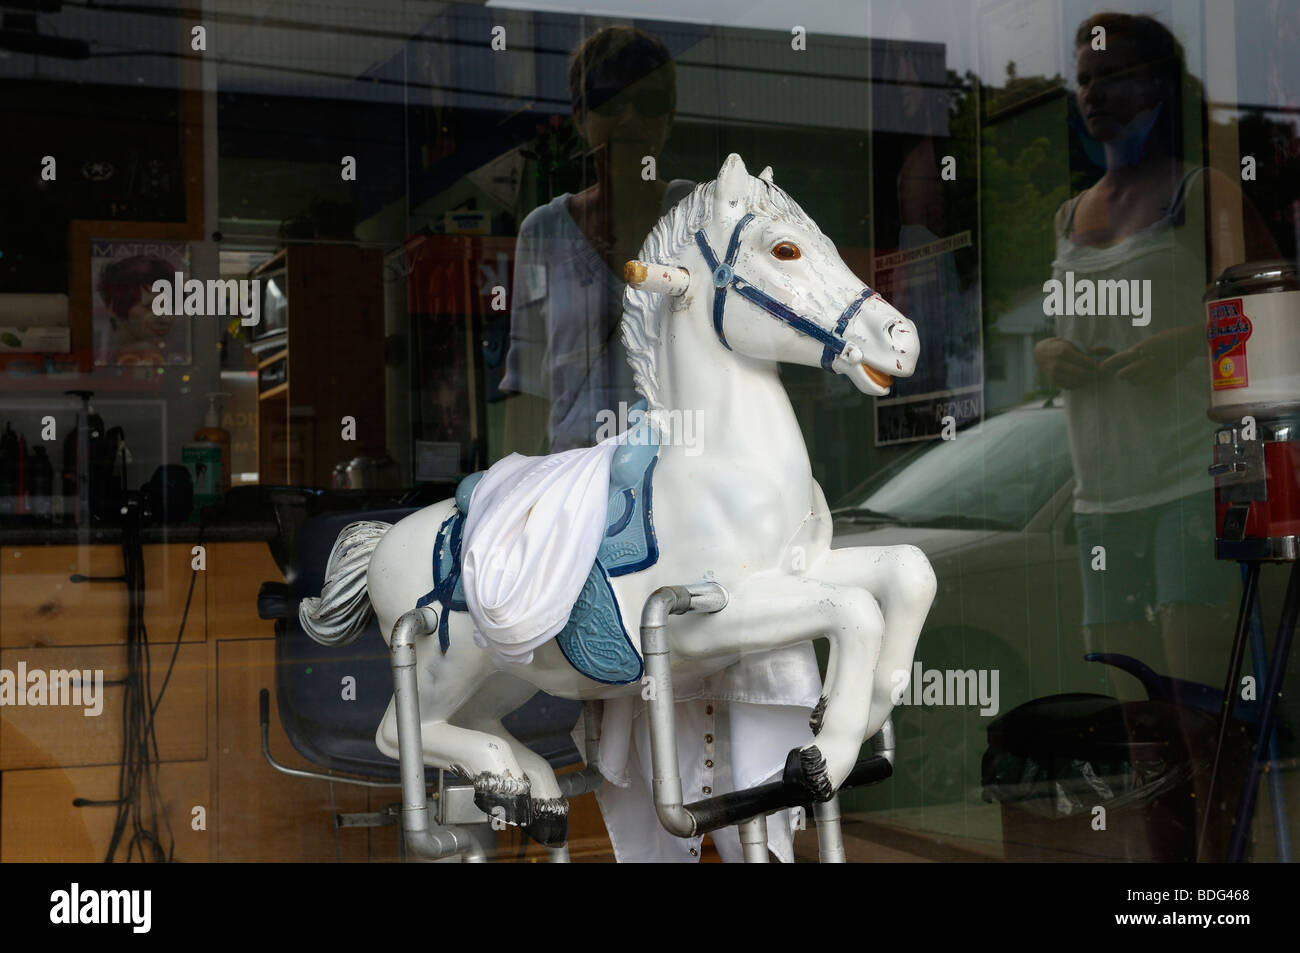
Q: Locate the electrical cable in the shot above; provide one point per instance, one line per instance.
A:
(139, 802)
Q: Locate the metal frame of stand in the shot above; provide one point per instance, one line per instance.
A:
(748, 809)
(459, 828)
(1268, 710)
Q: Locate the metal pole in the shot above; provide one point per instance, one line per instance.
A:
(753, 839)
(1276, 791)
(830, 839)
(1267, 712)
(1229, 695)
(663, 602)
(421, 840)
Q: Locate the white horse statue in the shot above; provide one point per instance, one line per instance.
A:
(733, 280)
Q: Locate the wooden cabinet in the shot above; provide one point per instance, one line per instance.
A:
(71, 736)
(39, 822)
(209, 738)
(41, 605)
(51, 754)
(317, 378)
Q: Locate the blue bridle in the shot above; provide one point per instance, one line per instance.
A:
(724, 277)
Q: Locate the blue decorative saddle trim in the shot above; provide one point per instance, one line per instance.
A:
(447, 589)
(629, 544)
(594, 640)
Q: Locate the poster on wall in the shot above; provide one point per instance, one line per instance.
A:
(122, 277)
(946, 394)
(925, 209)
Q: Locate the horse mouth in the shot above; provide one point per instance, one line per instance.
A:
(879, 378)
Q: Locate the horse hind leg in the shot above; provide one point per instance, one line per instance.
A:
(548, 812)
(447, 683)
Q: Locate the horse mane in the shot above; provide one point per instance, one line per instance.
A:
(673, 235)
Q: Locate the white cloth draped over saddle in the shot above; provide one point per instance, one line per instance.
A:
(531, 537)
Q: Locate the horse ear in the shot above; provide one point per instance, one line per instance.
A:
(733, 180)
(766, 175)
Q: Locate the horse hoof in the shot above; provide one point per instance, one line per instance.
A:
(550, 822)
(805, 772)
(818, 713)
(503, 799)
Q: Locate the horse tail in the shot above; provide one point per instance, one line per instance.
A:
(343, 610)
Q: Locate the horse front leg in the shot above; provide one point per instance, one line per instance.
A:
(771, 611)
(903, 583)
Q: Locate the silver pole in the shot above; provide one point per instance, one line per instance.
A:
(589, 778)
(427, 843)
(669, 600)
(830, 839)
(753, 839)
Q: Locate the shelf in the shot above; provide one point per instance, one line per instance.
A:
(279, 355)
(276, 391)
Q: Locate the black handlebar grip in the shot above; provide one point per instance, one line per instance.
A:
(870, 770)
(723, 810)
(264, 708)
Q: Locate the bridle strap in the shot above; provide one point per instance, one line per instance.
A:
(724, 277)
(843, 322)
(723, 272)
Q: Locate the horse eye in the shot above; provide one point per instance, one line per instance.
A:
(786, 251)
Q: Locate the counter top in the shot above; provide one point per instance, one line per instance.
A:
(27, 533)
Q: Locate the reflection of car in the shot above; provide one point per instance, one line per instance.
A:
(992, 509)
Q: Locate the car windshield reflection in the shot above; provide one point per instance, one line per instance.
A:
(995, 476)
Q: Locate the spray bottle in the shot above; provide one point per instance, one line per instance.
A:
(208, 457)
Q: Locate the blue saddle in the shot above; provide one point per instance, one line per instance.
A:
(594, 640)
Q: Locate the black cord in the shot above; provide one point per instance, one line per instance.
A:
(139, 802)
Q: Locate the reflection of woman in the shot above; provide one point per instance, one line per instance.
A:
(1135, 396)
(565, 350)
(568, 363)
(136, 335)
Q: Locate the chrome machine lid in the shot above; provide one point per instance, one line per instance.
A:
(1255, 277)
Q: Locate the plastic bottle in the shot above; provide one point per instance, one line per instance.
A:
(213, 432)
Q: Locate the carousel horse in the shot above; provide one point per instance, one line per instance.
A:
(732, 281)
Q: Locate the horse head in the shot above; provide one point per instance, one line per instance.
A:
(779, 290)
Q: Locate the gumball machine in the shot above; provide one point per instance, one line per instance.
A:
(1252, 329)
(1253, 332)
